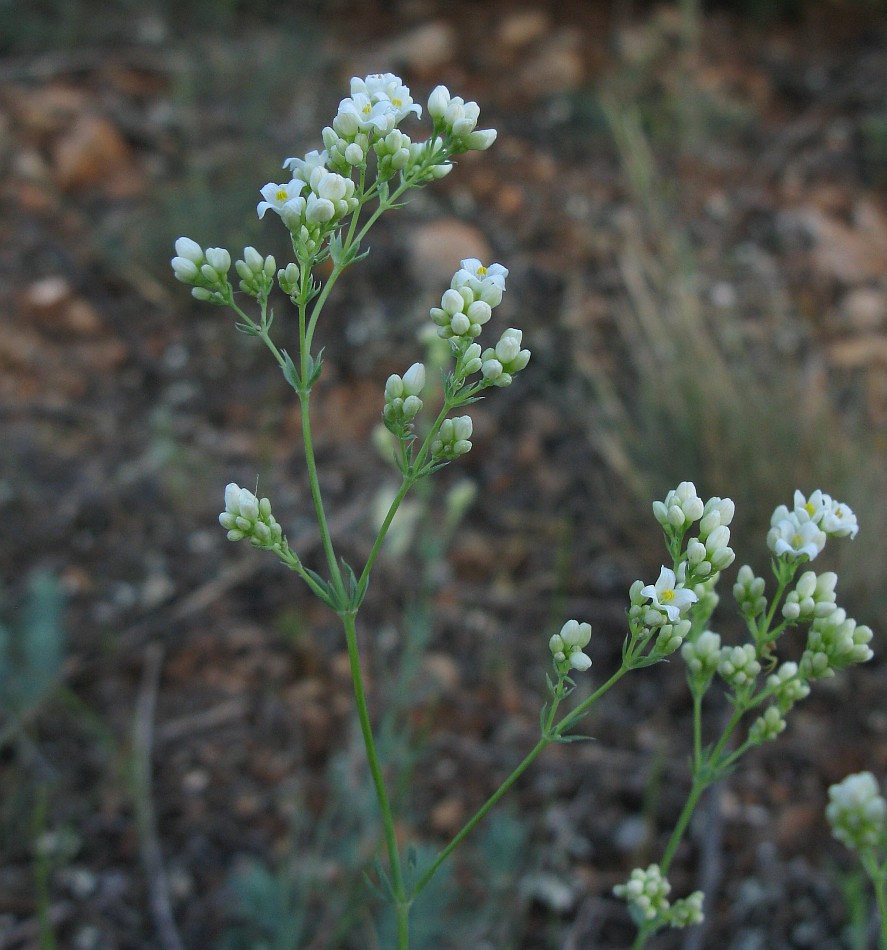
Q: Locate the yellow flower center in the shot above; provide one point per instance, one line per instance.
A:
(397, 103)
(281, 194)
(797, 541)
(481, 271)
(367, 109)
(667, 595)
(838, 512)
(809, 508)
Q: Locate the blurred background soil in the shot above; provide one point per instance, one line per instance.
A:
(692, 202)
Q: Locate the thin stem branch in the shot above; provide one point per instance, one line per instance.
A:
(363, 715)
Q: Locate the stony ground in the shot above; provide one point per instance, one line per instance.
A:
(737, 176)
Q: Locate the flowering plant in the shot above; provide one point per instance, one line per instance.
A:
(328, 206)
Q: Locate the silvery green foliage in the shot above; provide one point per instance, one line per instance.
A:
(31, 651)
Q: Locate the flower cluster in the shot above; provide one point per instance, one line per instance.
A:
(646, 893)
(329, 197)
(245, 516)
(659, 610)
(567, 646)
(402, 402)
(813, 596)
(835, 642)
(748, 592)
(681, 507)
(453, 438)
(702, 656)
(710, 552)
(206, 271)
(468, 304)
(500, 363)
(256, 273)
(857, 812)
(455, 121)
(802, 530)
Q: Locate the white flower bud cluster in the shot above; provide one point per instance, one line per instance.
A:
(738, 666)
(749, 592)
(500, 364)
(474, 291)
(452, 438)
(682, 506)
(394, 153)
(646, 893)
(788, 686)
(710, 552)
(567, 646)
(767, 727)
(456, 121)
(857, 812)
(245, 516)
(206, 271)
(813, 596)
(702, 656)
(402, 398)
(256, 272)
(289, 279)
(687, 911)
(835, 642)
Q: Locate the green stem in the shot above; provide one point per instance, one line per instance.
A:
(479, 814)
(551, 735)
(878, 877)
(363, 715)
(323, 526)
(380, 537)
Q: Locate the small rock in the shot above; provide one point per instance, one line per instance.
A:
(91, 152)
(422, 50)
(522, 27)
(859, 352)
(865, 308)
(443, 670)
(558, 66)
(437, 248)
(447, 816)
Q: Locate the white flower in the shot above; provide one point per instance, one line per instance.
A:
(388, 86)
(789, 536)
(302, 167)
(839, 521)
(667, 596)
(812, 508)
(476, 274)
(361, 114)
(278, 196)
